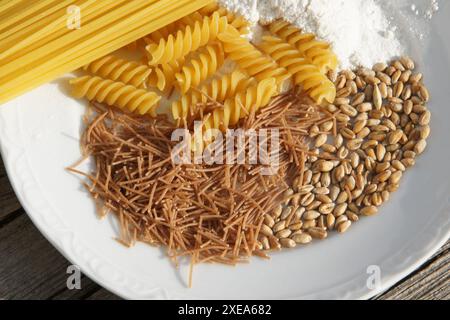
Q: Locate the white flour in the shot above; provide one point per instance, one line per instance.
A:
(358, 30)
(428, 11)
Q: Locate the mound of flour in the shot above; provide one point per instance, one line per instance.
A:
(359, 31)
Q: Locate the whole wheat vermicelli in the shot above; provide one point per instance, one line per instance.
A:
(208, 213)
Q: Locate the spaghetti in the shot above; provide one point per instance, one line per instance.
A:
(105, 31)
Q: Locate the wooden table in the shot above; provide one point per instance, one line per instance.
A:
(30, 268)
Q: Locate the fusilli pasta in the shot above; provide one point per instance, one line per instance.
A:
(201, 67)
(250, 100)
(163, 76)
(128, 72)
(192, 38)
(239, 22)
(116, 94)
(319, 52)
(218, 90)
(228, 85)
(250, 59)
(306, 74)
(171, 29)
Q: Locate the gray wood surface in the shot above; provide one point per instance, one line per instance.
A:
(30, 268)
(8, 201)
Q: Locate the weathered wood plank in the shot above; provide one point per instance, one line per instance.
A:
(88, 289)
(430, 282)
(103, 294)
(8, 200)
(30, 267)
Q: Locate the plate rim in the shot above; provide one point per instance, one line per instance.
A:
(6, 149)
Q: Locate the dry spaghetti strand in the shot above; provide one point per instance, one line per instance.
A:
(208, 213)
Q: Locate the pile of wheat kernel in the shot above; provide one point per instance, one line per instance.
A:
(381, 124)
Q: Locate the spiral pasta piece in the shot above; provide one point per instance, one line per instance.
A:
(250, 100)
(189, 40)
(116, 94)
(190, 20)
(250, 59)
(319, 52)
(237, 21)
(228, 86)
(133, 46)
(162, 33)
(218, 90)
(304, 73)
(128, 72)
(172, 28)
(201, 67)
(163, 76)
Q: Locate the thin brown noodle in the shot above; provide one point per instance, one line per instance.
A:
(208, 213)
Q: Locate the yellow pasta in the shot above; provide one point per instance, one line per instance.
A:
(250, 59)
(243, 104)
(238, 22)
(190, 20)
(171, 29)
(319, 52)
(218, 90)
(34, 25)
(228, 85)
(133, 46)
(128, 72)
(163, 76)
(116, 94)
(24, 12)
(40, 53)
(189, 40)
(20, 39)
(162, 33)
(104, 32)
(201, 67)
(7, 5)
(304, 73)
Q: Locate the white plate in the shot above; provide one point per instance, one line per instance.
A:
(39, 135)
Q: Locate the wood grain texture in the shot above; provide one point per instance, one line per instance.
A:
(430, 282)
(30, 268)
(8, 200)
(103, 294)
